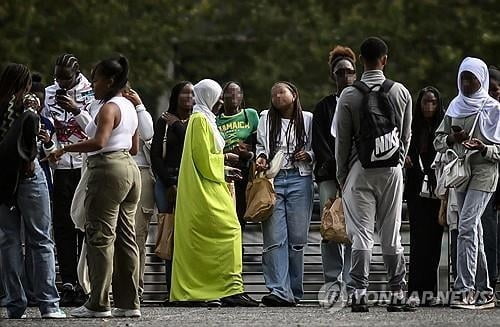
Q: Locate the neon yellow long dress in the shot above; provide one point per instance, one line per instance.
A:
(207, 239)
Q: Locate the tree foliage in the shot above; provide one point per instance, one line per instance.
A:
(254, 42)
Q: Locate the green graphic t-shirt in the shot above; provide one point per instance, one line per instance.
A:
(237, 127)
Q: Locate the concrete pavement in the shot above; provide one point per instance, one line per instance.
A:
(262, 316)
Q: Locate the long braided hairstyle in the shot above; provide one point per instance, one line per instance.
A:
(68, 60)
(297, 123)
(14, 79)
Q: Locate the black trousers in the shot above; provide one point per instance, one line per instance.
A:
(68, 239)
(489, 220)
(240, 188)
(425, 245)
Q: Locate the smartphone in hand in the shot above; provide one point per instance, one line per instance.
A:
(60, 94)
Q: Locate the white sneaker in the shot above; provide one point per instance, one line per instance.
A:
(59, 314)
(83, 312)
(130, 313)
(413, 301)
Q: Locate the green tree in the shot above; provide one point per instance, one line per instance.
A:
(255, 42)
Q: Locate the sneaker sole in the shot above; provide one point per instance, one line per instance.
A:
(126, 315)
(490, 305)
(463, 306)
(93, 315)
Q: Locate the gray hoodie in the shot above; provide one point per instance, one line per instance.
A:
(348, 120)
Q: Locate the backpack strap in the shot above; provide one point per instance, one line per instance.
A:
(386, 86)
(361, 86)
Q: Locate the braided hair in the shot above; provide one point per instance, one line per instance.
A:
(68, 60)
(14, 79)
(116, 69)
(297, 122)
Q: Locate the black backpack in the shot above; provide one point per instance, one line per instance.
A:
(378, 144)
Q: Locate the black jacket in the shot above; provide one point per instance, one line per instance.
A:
(167, 169)
(414, 174)
(17, 148)
(323, 143)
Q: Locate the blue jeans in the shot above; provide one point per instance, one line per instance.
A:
(336, 257)
(33, 208)
(472, 272)
(161, 197)
(285, 235)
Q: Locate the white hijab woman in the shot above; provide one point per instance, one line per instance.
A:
(473, 98)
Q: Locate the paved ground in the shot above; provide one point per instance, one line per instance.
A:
(299, 316)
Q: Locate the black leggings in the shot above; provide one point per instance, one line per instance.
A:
(425, 244)
(68, 239)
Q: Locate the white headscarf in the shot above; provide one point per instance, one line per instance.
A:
(462, 106)
(206, 93)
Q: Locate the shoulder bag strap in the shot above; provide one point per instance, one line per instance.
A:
(476, 120)
(164, 144)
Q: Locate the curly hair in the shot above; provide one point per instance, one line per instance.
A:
(340, 52)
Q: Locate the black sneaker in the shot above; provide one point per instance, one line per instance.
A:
(239, 300)
(399, 304)
(485, 301)
(359, 304)
(80, 297)
(272, 300)
(185, 304)
(67, 295)
(214, 304)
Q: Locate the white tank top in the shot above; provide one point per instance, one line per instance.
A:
(121, 136)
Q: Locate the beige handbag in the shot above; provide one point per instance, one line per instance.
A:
(260, 197)
(457, 171)
(164, 247)
(165, 236)
(333, 226)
